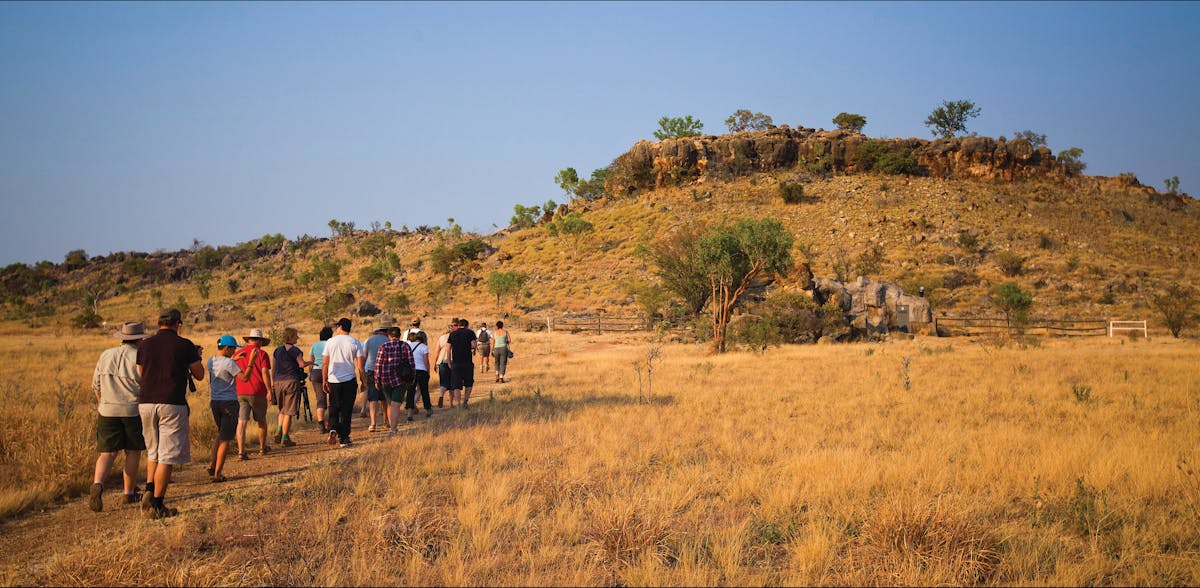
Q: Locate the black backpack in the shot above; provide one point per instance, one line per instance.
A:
(407, 371)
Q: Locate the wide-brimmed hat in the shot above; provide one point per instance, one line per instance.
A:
(131, 331)
(385, 324)
(257, 334)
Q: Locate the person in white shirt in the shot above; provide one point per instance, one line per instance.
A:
(342, 363)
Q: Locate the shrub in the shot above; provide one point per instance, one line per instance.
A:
(1177, 305)
(1014, 302)
(1172, 184)
(1035, 139)
(791, 192)
(898, 163)
(1071, 159)
(744, 120)
(870, 262)
(1010, 264)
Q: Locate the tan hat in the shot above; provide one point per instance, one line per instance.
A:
(257, 334)
(131, 331)
(385, 323)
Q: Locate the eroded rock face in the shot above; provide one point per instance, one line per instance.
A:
(650, 164)
(873, 307)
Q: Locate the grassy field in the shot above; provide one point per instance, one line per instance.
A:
(932, 461)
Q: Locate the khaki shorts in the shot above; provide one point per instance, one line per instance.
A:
(252, 406)
(167, 433)
(287, 394)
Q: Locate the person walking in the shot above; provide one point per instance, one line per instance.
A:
(255, 392)
(414, 326)
(116, 383)
(342, 366)
(376, 401)
(223, 401)
(314, 376)
(445, 377)
(419, 343)
(501, 350)
(462, 350)
(288, 377)
(165, 362)
(483, 339)
(394, 374)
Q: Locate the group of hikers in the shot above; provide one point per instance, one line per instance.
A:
(141, 387)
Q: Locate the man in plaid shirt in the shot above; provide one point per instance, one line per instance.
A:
(394, 371)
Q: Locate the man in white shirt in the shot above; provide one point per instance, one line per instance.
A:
(342, 364)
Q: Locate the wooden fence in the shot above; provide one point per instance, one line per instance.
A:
(989, 325)
(596, 324)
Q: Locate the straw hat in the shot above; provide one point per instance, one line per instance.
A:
(257, 334)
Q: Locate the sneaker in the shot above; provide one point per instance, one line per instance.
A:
(333, 437)
(162, 512)
(133, 498)
(265, 449)
(288, 443)
(278, 436)
(345, 444)
(95, 501)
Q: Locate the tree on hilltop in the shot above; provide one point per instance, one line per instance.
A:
(1072, 159)
(744, 120)
(678, 127)
(951, 118)
(1035, 139)
(567, 179)
(850, 122)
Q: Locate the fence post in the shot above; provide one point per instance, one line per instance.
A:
(599, 331)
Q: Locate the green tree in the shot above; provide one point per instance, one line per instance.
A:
(1014, 302)
(568, 180)
(572, 225)
(744, 120)
(1072, 159)
(678, 127)
(75, 259)
(735, 256)
(524, 216)
(1177, 305)
(203, 283)
(677, 259)
(951, 118)
(323, 274)
(1035, 139)
(850, 122)
(1172, 184)
(505, 283)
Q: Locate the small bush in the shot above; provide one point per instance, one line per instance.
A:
(791, 192)
(1010, 264)
(898, 163)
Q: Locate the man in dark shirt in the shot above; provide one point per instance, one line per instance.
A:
(462, 348)
(165, 362)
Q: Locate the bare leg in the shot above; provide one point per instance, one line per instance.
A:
(162, 479)
(285, 421)
(241, 437)
(219, 459)
(104, 465)
(262, 436)
(131, 466)
(466, 396)
(394, 410)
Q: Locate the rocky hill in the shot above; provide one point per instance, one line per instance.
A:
(955, 216)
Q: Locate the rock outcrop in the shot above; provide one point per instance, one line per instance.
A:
(648, 165)
(874, 308)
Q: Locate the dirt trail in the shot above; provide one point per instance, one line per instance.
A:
(31, 539)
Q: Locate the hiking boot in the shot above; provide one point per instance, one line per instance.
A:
(95, 501)
(324, 429)
(278, 437)
(244, 456)
(333, 437)
(147, 496)
(161, 512)
(440, 402)
(288, 443)
(265, 449)
(133, 498)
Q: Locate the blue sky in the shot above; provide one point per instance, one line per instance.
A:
(143, 126)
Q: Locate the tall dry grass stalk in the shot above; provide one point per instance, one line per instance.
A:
(811, 465)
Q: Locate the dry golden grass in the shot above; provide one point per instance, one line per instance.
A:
(1065, 463)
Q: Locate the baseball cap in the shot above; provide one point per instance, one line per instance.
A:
(227, 341)
(170, 316)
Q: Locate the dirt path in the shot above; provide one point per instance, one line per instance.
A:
(29, 540)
